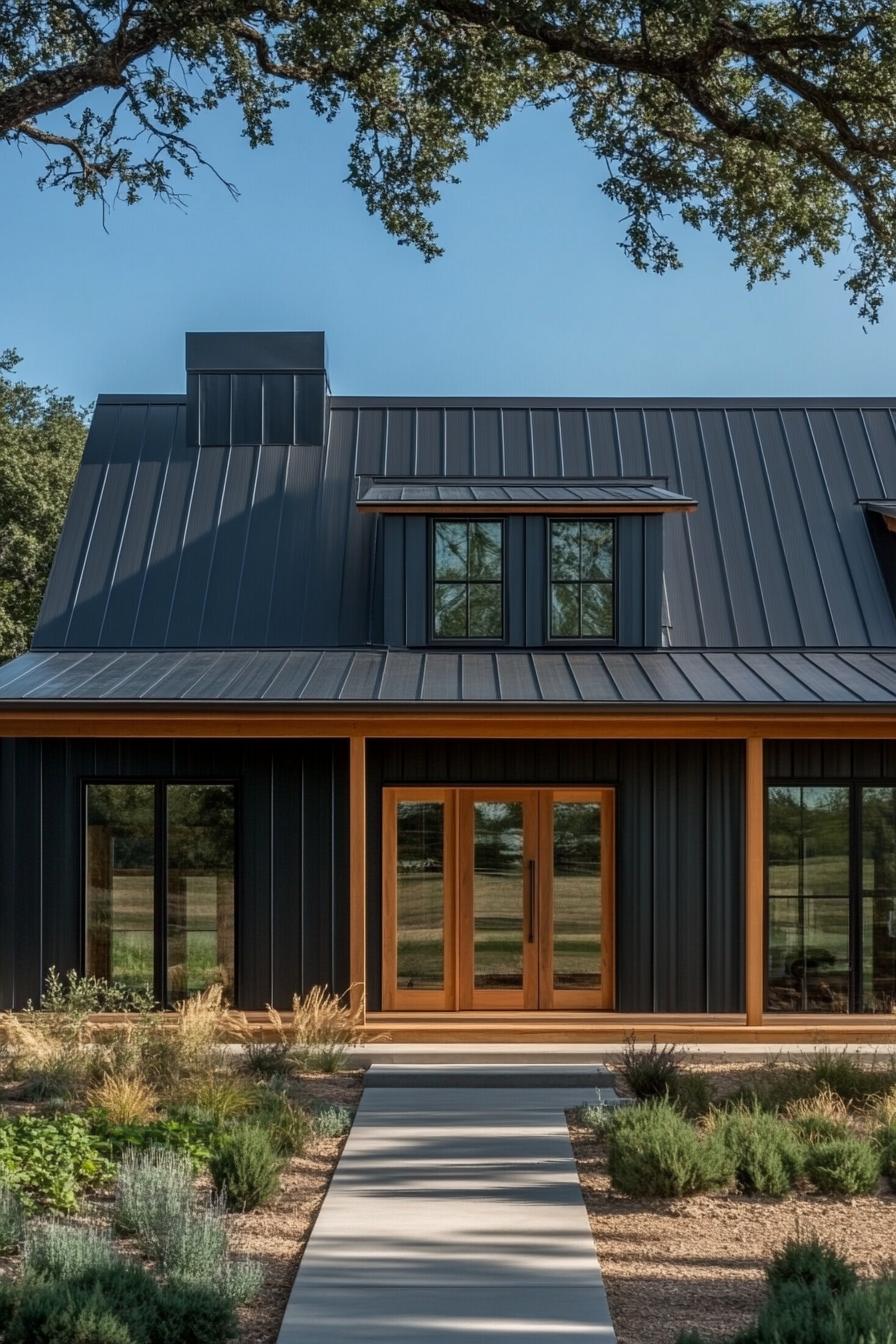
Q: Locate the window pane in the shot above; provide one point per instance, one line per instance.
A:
(485, 550)
(451, 550)
(597, 610)
(577, 896)
(565, 562)
(450, 609)
(565, 610)
(808, 957)
(878, 900)
(200, 887)
(120, 854)
(498, 895)
(420, 896)
(597, 550)
(808, 841)
(485, 611)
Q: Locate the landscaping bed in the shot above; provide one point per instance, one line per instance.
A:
(697, 1262)
(156, 1183)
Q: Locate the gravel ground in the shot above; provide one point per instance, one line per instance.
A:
(699, 1263)
(276, 1235)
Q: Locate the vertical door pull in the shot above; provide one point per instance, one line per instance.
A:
(531, 937)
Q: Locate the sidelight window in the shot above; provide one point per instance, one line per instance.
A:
(159, 885)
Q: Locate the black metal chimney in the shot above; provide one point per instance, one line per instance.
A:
(254, 387)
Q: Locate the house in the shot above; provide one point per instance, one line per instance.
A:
(566, 717)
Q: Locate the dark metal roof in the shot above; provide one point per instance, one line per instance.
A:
(170, 546)
(381, 678)
(382, 493)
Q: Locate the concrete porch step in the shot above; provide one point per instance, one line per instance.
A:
(465, 1075)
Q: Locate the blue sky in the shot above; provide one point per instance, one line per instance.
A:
(532, 297)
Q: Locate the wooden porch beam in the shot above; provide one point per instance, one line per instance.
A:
(357, 850)
(754, 883)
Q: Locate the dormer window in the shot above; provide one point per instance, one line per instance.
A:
(582, 587)
(468, 579)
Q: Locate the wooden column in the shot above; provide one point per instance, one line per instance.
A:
(754, 886)
(357, 841)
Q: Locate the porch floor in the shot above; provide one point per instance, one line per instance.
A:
(566, 1028)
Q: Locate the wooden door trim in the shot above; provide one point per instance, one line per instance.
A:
(421, 1000)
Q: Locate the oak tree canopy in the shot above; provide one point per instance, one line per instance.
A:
(773, 124)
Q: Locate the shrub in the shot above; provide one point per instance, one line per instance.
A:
(12, 1220)
(801, 1314)
(331, 1122)
(885, 1142)
(154, 1190)
(123, 1100)
(245, 1166)
(74, 996)
(269, 1058)
(845, 1074)
(649, 1073)
(59, 1250)
(692, 1093)
(122, 1304)
(764, 1153)
(321, 1030)
(219, 1098)
(49, 1160)
(654, 1150)
(286, 1124)
(811, 1262)
(843, 1167)
(599, 1118)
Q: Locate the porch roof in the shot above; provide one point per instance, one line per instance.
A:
(381, 678)
(610, 495)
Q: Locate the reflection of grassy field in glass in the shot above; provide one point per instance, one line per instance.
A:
(498, 930)
(577, 931)
(419, 951)
(824, 875)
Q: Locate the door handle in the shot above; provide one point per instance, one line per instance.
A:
(531, 937)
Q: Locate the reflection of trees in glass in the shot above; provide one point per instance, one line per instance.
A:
(878, 899)
(200, 913)
(467, 573)
(420, 896)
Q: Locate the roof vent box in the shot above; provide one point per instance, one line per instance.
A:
(256, 388)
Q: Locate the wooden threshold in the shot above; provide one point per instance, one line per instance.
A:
(584, 1027)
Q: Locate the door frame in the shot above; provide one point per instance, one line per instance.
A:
(457, 992)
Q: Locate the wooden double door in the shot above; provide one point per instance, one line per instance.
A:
(497, 899)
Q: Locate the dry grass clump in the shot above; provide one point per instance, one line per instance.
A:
(124, 1100)
(882, 1109)
(321, 1029)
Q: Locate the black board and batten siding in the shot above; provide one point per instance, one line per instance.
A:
(292, 855)
(679, 853)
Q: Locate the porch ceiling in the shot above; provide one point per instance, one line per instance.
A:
(514, 679)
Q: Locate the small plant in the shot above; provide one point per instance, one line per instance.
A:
(322, 1028)
(286, 1124)
(765, 1154)
(192, 1135)
(810, 1262)
(50, 1160)
(654, 1151)
(153, 1191)
(123, 1100)
(882, 1109)
(649, 1073)
(58, 1250)
(819, 1118)
(843, 1167)
(692, 1093)
(118, 1304)
(219, 1099)
(845, 1074)
(598, 1118)
(245, 1166)
(885, 1142)
(268, 1059)
(12, 1221)
(331, 1122)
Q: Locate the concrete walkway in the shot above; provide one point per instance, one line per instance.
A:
(454, 1216)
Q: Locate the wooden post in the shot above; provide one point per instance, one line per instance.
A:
(754, 885)
(357, 840)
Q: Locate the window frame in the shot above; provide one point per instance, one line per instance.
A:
(579, 641)
(466, 641)
(160, 784)
(855, 787)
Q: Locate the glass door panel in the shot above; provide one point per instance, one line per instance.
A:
(576, 883)
(499, 896)
(418, 899)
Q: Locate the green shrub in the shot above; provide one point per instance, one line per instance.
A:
(12, 1220)
(599, 1119)
(288, 1126)
(153, 1195)
(808, 1262)
(692, 1093)
(122, 1304)
(649, 1073)
(654, 1150)
(331, 1122)
(182, 1131)
(49, 1160)
(245, 1166)
(843, 1167)
(885, 1142)
(762, 1150)
(74, 995)
(269, 1058)
(810, 1314)
(845, 1074)
(56, 1250)
(813, 1127)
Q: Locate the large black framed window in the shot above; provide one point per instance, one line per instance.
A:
(831, 862)
(468, 579)
(160, 867)
(582, 586)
